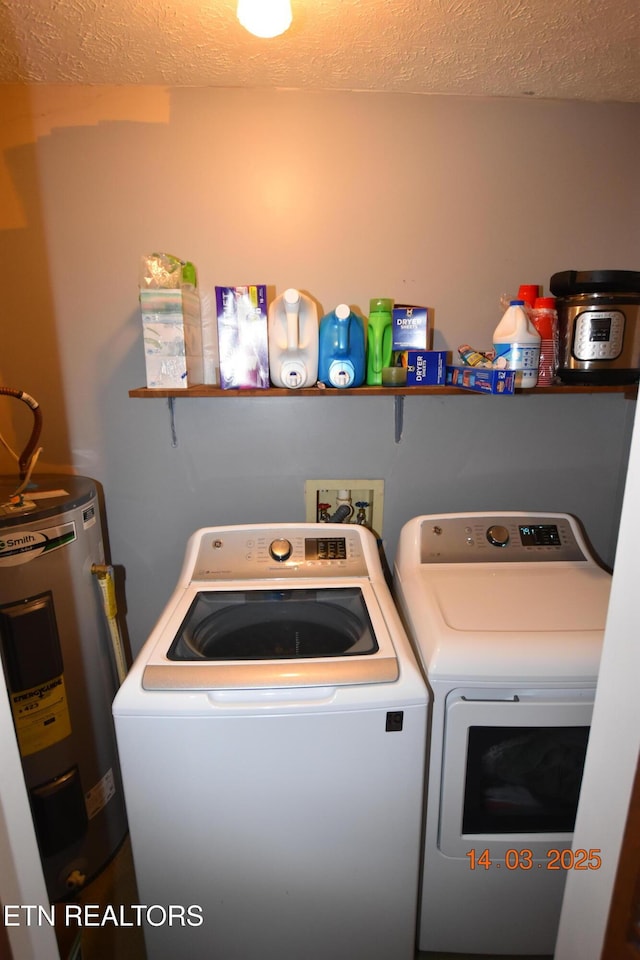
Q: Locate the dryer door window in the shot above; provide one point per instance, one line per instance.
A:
(523, 779)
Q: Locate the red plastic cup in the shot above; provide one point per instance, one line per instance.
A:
(529, 293)
(544, 321)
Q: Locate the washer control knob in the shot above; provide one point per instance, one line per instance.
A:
(498, 535)
(280, 550)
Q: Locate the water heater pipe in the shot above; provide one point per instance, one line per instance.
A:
(104, 575)
(28, 457)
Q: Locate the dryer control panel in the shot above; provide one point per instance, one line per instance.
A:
(237, 553)
(510, 538)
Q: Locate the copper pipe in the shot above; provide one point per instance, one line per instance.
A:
(25, 457)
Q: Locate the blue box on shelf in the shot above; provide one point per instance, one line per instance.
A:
(481, 379)
(426, 367)
(410, 328)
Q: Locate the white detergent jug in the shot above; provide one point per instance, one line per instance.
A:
(517, 345)
(293, 340)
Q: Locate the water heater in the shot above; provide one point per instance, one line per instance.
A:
(60, 674)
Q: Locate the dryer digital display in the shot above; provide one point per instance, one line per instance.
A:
(540, 535)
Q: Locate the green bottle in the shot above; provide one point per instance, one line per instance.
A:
(379, 339)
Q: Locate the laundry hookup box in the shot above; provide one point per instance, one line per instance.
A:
(171, 322)
(242, 337)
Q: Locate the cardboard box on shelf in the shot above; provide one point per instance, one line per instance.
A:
(481, 379)
(425, 367)
(172, 334)
(242, 337)
(410, 328)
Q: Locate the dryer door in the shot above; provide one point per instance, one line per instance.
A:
(512, 770)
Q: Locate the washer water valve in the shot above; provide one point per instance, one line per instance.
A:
(361, 516)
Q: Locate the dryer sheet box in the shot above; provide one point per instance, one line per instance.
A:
(426, 367)
(172, 334)
(481, 379)
(411, 329)
(242, 337)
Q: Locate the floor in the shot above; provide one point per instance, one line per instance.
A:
(116, 886)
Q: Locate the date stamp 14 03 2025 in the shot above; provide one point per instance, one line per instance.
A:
(523, 859)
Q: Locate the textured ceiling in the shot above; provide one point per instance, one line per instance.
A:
(569, 49)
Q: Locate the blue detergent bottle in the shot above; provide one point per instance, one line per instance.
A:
(342, 352)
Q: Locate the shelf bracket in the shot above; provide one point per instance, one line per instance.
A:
(172, 421)
(398, 413)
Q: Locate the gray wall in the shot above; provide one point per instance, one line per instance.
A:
(447, 202)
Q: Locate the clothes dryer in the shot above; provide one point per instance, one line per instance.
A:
(272, 737)
(506, 613)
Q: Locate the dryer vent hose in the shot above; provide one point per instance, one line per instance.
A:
(28, 457)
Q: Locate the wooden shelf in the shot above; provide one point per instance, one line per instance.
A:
(203, 390)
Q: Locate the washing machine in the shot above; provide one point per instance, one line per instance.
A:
(272, 737)
(506, 612)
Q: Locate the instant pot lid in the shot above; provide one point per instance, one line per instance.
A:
(570, 283)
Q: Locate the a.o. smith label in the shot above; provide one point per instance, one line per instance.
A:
(21, 546)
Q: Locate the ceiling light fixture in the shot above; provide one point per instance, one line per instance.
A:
(265, 18)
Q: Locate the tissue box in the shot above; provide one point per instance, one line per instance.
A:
(481, 379)
(172, 334)
(425, 367)
(242, 337)
(410, 328)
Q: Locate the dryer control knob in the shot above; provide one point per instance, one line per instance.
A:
(280, 550)
(498, 535)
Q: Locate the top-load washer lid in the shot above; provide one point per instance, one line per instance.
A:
(272, 607)
(263, 637)
(274, 625)
(502, 597)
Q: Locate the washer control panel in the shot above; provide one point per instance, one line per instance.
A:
(511, 538)
(245, 554)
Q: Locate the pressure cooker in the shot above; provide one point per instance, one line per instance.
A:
(598, 326)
